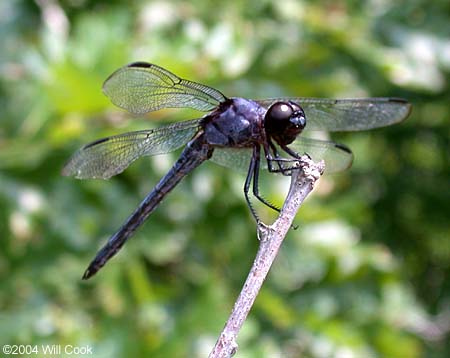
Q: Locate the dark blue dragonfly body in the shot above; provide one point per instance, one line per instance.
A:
(236, 133)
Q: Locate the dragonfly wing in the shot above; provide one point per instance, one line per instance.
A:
(348, 114)
(337, 157)
(109, 156)
(142, 87)
(233, 158)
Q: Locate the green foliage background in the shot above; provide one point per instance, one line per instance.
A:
(366, 273)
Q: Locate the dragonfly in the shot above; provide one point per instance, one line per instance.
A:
(235, 132)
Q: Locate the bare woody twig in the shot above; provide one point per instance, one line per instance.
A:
(302, 182)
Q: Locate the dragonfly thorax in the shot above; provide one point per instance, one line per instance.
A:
(237, 122)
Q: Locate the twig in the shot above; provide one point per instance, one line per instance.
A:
(271, 237)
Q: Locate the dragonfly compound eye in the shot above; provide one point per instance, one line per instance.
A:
(277, 119)
(279, 112)
(284, 121)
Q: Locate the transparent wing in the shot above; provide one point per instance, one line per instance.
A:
(142, 87)
(348, 114)
(234, 158)
(337, 157)
(109, 156)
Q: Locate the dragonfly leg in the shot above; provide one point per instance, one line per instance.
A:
(285, 170)
(272, 158)
(276, 155)
(248, 180)
(292, 153)
(256, 181)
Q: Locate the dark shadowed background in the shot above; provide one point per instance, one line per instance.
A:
(365, 274)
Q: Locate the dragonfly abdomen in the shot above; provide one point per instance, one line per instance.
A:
(195, 153)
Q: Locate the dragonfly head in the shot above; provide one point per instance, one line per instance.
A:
(284, 121)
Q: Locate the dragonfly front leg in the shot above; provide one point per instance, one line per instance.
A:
(292, 153)
(278, 159)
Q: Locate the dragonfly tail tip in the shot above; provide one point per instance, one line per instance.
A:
(88, 274)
